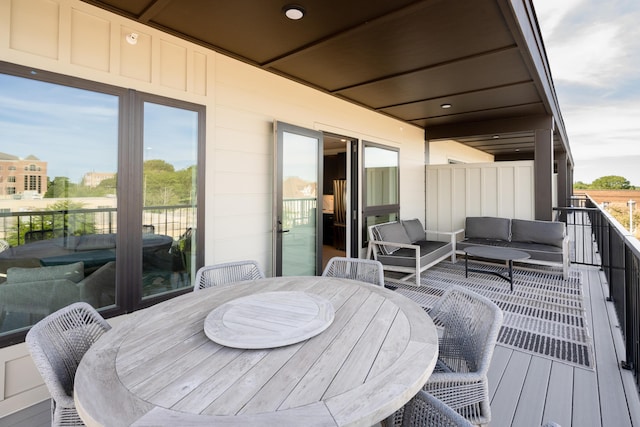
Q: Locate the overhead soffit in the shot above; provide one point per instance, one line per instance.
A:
(402, 58)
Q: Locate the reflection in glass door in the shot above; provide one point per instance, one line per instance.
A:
(297, 226)
(169, 182)
(58, 198)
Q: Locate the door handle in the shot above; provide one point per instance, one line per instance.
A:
(279, 229)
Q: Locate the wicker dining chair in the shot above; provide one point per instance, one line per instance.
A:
(364, 270)
(425, 410)
(229, 272)
(57, 344)
(471, 324)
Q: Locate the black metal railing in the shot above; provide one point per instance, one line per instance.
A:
(19, 228)
(617, 252)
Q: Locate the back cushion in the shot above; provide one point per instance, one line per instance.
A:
(392, 232)
(92, 242)
(73, 272)
(414, 229)
(544, 232)
(488, 227)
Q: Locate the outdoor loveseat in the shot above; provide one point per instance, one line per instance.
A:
(404, 246)
(546, 242)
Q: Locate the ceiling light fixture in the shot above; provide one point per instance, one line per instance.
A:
(445, 106)
(293, 12)
(132, 38)
(496, 136)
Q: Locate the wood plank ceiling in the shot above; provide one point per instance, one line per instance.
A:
(403, 58)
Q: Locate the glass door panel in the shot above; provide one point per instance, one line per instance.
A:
(298, 183)
(169, 183)
(381, 182)
(58, 198)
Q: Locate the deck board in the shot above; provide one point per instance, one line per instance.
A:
(509, 389)
(558, 407)
(530, 406)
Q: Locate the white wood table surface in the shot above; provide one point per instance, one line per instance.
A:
(159, 368)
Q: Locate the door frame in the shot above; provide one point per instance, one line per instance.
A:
(279, 129)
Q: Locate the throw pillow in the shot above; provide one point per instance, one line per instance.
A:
(391, 232)
(414, 229)
(543, 232)
(488, 227)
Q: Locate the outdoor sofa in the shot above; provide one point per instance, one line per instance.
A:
(546, 242)
(404, 246)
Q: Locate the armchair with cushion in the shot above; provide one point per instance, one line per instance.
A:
(29, 294)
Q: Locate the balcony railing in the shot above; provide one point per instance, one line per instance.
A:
(22, 227)
(599, 239)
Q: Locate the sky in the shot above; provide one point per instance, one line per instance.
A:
(76, 131)
(593, 47)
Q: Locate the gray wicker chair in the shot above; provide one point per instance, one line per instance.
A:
(229, 272)
(364, 270)
(471, 324)
(57, 344)
(426, 410)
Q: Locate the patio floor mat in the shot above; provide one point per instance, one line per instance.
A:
(544, 314)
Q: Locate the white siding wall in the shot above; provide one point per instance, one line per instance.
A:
(504, 189)
(442, 152)
(73, 38)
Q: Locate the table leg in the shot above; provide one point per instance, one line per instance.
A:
(511, 274)
(466, 266)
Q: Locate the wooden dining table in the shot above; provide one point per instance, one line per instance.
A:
(374, 352)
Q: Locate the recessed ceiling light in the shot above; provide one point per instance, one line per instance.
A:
(293, 11)
(496, 136)
(445, 106)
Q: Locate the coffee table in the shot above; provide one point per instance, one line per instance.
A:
(494, 253)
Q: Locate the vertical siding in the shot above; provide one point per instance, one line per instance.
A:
(76, 39)
(489, 189)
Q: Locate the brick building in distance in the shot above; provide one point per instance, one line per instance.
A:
(22, 177)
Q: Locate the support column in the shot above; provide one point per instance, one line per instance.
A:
(563, 180)
(544, 173)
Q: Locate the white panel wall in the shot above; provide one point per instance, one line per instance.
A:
(503, 189)
(443, 152)
(76, 39)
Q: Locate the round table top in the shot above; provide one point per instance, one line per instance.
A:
(496, 252)
(159, 368)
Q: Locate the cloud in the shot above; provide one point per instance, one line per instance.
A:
(593, 48)
(590, 42)
(551, 13)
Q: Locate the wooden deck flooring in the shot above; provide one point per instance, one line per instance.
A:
(530, 390)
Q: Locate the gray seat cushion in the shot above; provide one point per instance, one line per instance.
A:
(538, 252)
(429, 252)
(487, 227)
(543, 232)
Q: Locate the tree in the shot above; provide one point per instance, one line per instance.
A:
(611, 182)
(62, 218)
(60, 187)
(581, 186)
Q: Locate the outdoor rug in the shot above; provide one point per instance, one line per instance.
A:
(544, 315)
